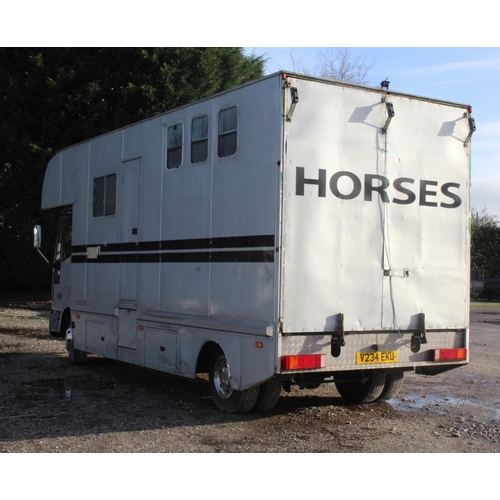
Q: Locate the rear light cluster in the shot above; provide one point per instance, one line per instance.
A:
(459, 354)
(303, 362)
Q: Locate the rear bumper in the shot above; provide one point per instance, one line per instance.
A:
(388, 350)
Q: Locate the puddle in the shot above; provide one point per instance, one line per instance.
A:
(416, 401)
(72, 384)
(442, 404)
(66, 386)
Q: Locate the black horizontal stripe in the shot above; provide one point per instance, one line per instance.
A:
(257, 241)
(180, 257)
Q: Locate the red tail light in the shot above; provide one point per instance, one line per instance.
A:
(304, 361)
(459, 354)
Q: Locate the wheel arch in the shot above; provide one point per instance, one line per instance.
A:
(250, 365)
(205, 354)
(65, 322)
(60, 321)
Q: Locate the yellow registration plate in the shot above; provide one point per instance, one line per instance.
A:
(371, 358)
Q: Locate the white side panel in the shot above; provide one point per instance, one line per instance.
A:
(51, 191)
(161, 349)
(243, 290)
(74, 182)
(245, 202)
(375, 225)
(150, 214)
(103, 278)
(133, 141)
(185, 218)
(129, 214)
(127, 329)
(75, 192)
(244, 186)
(65, 178)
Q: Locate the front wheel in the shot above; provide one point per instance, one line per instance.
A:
(225, 397)
(366, 388)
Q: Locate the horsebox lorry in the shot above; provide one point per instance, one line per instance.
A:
(292, 230)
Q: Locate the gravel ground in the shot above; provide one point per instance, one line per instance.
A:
(49, 406)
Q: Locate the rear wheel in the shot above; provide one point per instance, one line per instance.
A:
(225, 397)
(269, 394)
(366, 388)
(393, 384)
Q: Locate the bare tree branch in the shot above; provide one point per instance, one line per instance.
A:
(299, 66)
(336, 64)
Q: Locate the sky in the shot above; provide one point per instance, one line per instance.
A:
(464, 75)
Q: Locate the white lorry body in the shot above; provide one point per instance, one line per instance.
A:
(291, 230)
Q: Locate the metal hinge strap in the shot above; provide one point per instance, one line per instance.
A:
(338, 337)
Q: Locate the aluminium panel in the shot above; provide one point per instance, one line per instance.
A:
(375, 225)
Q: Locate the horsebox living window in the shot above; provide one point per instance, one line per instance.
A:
(228, 132)
(174, 146)
(104, 199)
(199, 139)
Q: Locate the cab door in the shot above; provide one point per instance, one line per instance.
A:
(61, 271)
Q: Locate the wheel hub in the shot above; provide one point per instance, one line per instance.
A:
(222, 378)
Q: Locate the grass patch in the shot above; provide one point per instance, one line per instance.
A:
(484, 305)
(18, 319)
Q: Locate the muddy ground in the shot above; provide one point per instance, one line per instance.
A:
(49, 406)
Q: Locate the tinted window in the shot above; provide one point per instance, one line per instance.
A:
(199, 139)
(228, 132)
(174, 146)
(104, 199)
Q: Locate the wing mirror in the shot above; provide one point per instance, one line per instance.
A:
(37, 241)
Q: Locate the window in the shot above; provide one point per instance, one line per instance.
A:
(63, 245)
(228, 132)
(174, 146)
(104, 201)
(199, 139)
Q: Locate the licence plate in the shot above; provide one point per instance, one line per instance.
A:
(371, 358)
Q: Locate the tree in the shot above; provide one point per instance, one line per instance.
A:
(485, 243)
(337, 64)
(51, 98)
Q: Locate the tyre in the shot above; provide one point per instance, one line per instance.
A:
(393, 384)
(269, 394)
(366, 389)
(224, 396)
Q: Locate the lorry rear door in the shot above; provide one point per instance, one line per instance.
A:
(375, 210)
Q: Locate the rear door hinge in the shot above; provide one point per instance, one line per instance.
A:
(472, 128)
(338, 337)
(390, 115)
(294, 100)
(419, 337)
